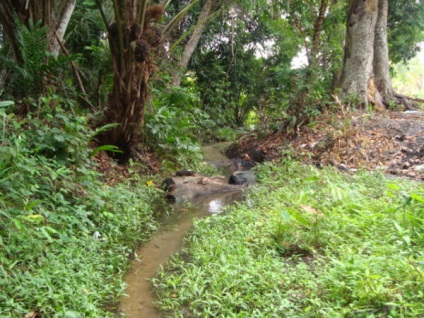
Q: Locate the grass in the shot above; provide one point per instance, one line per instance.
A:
(65, 237)
(306, 243)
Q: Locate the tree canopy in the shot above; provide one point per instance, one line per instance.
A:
(236, 56)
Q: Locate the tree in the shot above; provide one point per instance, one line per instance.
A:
(193, 40)
(133, 38)
(365, 71)
(54, 14)
(406, 29)
(229, 74)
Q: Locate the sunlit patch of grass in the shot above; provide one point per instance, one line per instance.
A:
(306, 243)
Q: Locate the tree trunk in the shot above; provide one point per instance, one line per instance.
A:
(62, 25)
(191, 45)
(381, 54)
(365, 71)
(316, 38)
(131, 39)
(54, 17)
(357, 71)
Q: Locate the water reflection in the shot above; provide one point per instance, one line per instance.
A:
(215, 206)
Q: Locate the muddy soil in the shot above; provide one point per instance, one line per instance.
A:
(392, 142)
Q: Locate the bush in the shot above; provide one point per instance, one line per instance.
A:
(64, 236)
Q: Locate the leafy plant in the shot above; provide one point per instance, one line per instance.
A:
(64, 236)
(176, 125)
(307, 243)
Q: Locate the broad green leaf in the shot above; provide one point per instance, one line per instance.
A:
(285, 215)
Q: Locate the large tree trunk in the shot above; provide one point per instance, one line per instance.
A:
(381, 53)
(365, 71)
(192, 43)
(131, 39)
(359, 49)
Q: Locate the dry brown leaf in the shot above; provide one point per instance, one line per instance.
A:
(311, 210)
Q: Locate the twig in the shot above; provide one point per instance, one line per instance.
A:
(76, 74)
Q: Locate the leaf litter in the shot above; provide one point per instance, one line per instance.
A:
(388, 141)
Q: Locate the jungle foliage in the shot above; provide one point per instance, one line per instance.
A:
(65, 234)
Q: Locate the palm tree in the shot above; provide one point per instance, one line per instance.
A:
(133, 37)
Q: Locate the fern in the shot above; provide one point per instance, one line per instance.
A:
(28, 71)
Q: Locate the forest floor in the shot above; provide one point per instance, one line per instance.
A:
(390, 141)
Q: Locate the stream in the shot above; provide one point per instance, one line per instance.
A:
(169, 239)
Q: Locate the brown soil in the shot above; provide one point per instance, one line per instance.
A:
(391, 142)
(146, 162)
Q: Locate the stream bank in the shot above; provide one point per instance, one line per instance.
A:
(140, 298)
(307, 242)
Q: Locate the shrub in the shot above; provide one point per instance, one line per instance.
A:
(64, 236)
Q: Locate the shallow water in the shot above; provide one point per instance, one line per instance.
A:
(169, 239)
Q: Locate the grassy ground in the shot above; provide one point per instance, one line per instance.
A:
(65, 236)
(306, 243)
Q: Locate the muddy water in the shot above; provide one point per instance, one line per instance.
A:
(168, 240)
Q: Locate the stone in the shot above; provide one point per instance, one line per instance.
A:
(419, 168)
(238, 178)
(187, 187)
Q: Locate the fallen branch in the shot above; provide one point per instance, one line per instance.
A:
(414, 99)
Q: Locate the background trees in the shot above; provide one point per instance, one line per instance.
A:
(32, 34)
(238, 58)
(53, 14)
(405, 29)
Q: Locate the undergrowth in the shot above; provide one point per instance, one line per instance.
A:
(306, 243)
(65, 237)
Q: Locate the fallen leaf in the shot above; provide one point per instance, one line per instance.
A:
(310, 209)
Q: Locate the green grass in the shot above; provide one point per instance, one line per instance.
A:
(65, 237)
(306, 243)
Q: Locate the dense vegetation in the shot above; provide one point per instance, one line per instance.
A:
(136, 78)
(322, 244)
(65, 236)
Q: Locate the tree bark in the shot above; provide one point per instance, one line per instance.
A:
(357, 69)
(192, 43)
(61, 27)
(381, 53)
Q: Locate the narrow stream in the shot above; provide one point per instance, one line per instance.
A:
(168, 240)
